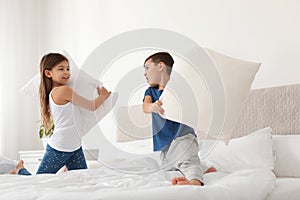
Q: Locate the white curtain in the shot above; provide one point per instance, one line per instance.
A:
(2, 19)
(19, 62)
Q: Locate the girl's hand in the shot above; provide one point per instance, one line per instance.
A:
(103, 93)
(156, 107)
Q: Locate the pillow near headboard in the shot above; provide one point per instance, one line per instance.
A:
(237, 76)
(276, 107)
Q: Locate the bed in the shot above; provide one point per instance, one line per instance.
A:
(278, 108)
(261, 161)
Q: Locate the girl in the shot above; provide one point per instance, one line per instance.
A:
(59, 103)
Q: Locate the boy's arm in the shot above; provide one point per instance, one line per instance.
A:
(149, 107)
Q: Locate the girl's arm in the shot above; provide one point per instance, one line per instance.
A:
(65, 94)
(149, 107)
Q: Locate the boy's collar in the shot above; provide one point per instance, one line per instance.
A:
(157, 87)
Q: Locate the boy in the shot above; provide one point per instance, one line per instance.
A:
(177, 142)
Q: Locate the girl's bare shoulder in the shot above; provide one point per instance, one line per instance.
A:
(61, 94)
(63, 88)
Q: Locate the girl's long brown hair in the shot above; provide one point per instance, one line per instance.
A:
(47, 63)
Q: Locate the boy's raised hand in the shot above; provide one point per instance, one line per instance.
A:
(156, 107)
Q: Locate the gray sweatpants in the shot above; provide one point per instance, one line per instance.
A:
(182, 155)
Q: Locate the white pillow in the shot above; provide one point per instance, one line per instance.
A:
(83, 82)
(86, 86)
(32, 86)
(6, 165)
(251, 151)
(133, 124)
(287, 148)
(237, 76)
(113, 152)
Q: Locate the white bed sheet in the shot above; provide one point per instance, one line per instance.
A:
(106, 183)
(286, 188)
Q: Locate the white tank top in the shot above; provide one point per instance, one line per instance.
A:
(67, 133)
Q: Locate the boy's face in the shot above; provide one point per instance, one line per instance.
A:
(152, 73)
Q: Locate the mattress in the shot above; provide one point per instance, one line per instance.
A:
(133, 180)
(286, 188)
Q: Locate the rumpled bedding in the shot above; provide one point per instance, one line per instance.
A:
(135, 179)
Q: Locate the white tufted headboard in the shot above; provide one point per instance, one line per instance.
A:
(276, 107)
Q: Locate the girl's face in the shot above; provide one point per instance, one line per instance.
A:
(60, 74)
(152, 73)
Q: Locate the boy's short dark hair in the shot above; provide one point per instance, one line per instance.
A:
(164, 57)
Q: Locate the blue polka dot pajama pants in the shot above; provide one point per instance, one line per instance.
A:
(53, 160)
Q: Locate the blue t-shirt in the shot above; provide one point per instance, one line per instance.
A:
(164, 130)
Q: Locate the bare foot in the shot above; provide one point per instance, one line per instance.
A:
(19, 166)
(211, 169)
(63, 169)
(185, 181)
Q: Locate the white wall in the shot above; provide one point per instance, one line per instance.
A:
(265, 31)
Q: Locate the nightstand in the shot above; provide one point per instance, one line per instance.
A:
(32, 159)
